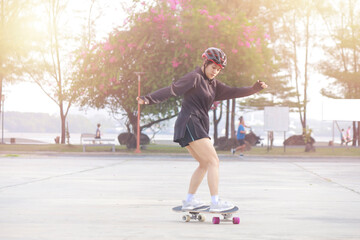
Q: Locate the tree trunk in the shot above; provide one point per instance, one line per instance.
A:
(233, 118)
(1, 86)
(358, 133)
(354, 134)
(215, 127)
(306, 66)
(294, 42)
(216, 121)
(63, 119)
(227, 119)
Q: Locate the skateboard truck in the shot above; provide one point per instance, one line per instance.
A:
(194, 216)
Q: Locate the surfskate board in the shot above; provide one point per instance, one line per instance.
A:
(198, 214)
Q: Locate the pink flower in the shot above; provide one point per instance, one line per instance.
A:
(122, 49)
(83, 54)
(113, 79)
(103, 74)
(173, 3)
(267, 36)
(94, 68)
(258, 41)
(211, 26)
(234, 50)
(218, 17)
(131, 45)
(159, 18)
(175, 63)
(187, 45)
(247, 44)
(203, 12)
(112, 59)
(240, 43)
(108, 46)
(101, 87)
(126, 21)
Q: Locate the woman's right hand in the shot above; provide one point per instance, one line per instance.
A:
(140, 101)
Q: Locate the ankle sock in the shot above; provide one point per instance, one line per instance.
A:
(215, 199)
(189, 197)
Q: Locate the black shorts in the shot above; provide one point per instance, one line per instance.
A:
(190, 134)
(241, 142)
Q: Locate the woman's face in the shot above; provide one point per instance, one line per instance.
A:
(212, 70)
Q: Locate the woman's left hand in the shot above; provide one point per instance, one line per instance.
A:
(262, 84)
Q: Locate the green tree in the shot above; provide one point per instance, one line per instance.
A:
(17, 35)
(342, 55)
(51, 64)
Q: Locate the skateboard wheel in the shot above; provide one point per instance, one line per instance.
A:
(201, 218)
(186, 218)
(236, 220)
(216, 220)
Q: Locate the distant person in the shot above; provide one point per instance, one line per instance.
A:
(240, 136)
(348, 135)
(98, 133)
(271, 138)
(342, 137)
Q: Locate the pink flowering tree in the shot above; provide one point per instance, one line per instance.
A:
(165, 40)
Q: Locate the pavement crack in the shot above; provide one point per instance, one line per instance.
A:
(327, 179)
(62, 175)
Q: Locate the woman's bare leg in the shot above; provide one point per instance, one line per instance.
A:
(199, 173)
(204, 152)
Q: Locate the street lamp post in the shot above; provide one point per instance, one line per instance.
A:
(2, 118)
(138, 114)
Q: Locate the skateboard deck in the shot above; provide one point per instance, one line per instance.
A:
(196, 214)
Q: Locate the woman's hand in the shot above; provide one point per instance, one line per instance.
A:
(140, 101)
(259, 85)
(262, 84)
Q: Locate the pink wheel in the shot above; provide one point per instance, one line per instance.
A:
(236, 220)
(216, 220)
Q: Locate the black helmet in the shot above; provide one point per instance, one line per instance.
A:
(215, 55)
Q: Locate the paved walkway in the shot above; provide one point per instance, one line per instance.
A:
(84, 197)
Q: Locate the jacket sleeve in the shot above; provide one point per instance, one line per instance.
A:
(224, 92)
(177, 88)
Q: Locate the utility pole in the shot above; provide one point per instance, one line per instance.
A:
(138, 114)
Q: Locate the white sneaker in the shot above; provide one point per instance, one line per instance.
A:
(221, 206)
(192, 204)
(232, 151)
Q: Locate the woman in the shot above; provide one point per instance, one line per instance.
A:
(200, 90)
(240, 137)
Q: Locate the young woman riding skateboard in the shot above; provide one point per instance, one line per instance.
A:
(200, 89)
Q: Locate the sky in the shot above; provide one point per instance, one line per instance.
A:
(28, 97)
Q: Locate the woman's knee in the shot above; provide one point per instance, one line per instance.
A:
(209, 162)
(212, 162)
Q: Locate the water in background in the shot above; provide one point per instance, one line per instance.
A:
(46, 138)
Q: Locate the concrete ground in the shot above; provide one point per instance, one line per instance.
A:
(111, 196)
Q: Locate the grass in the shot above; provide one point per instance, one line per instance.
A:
(12, 150)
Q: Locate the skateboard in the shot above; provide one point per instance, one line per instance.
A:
(198, 214)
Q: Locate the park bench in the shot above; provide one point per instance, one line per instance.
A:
(89, 140)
